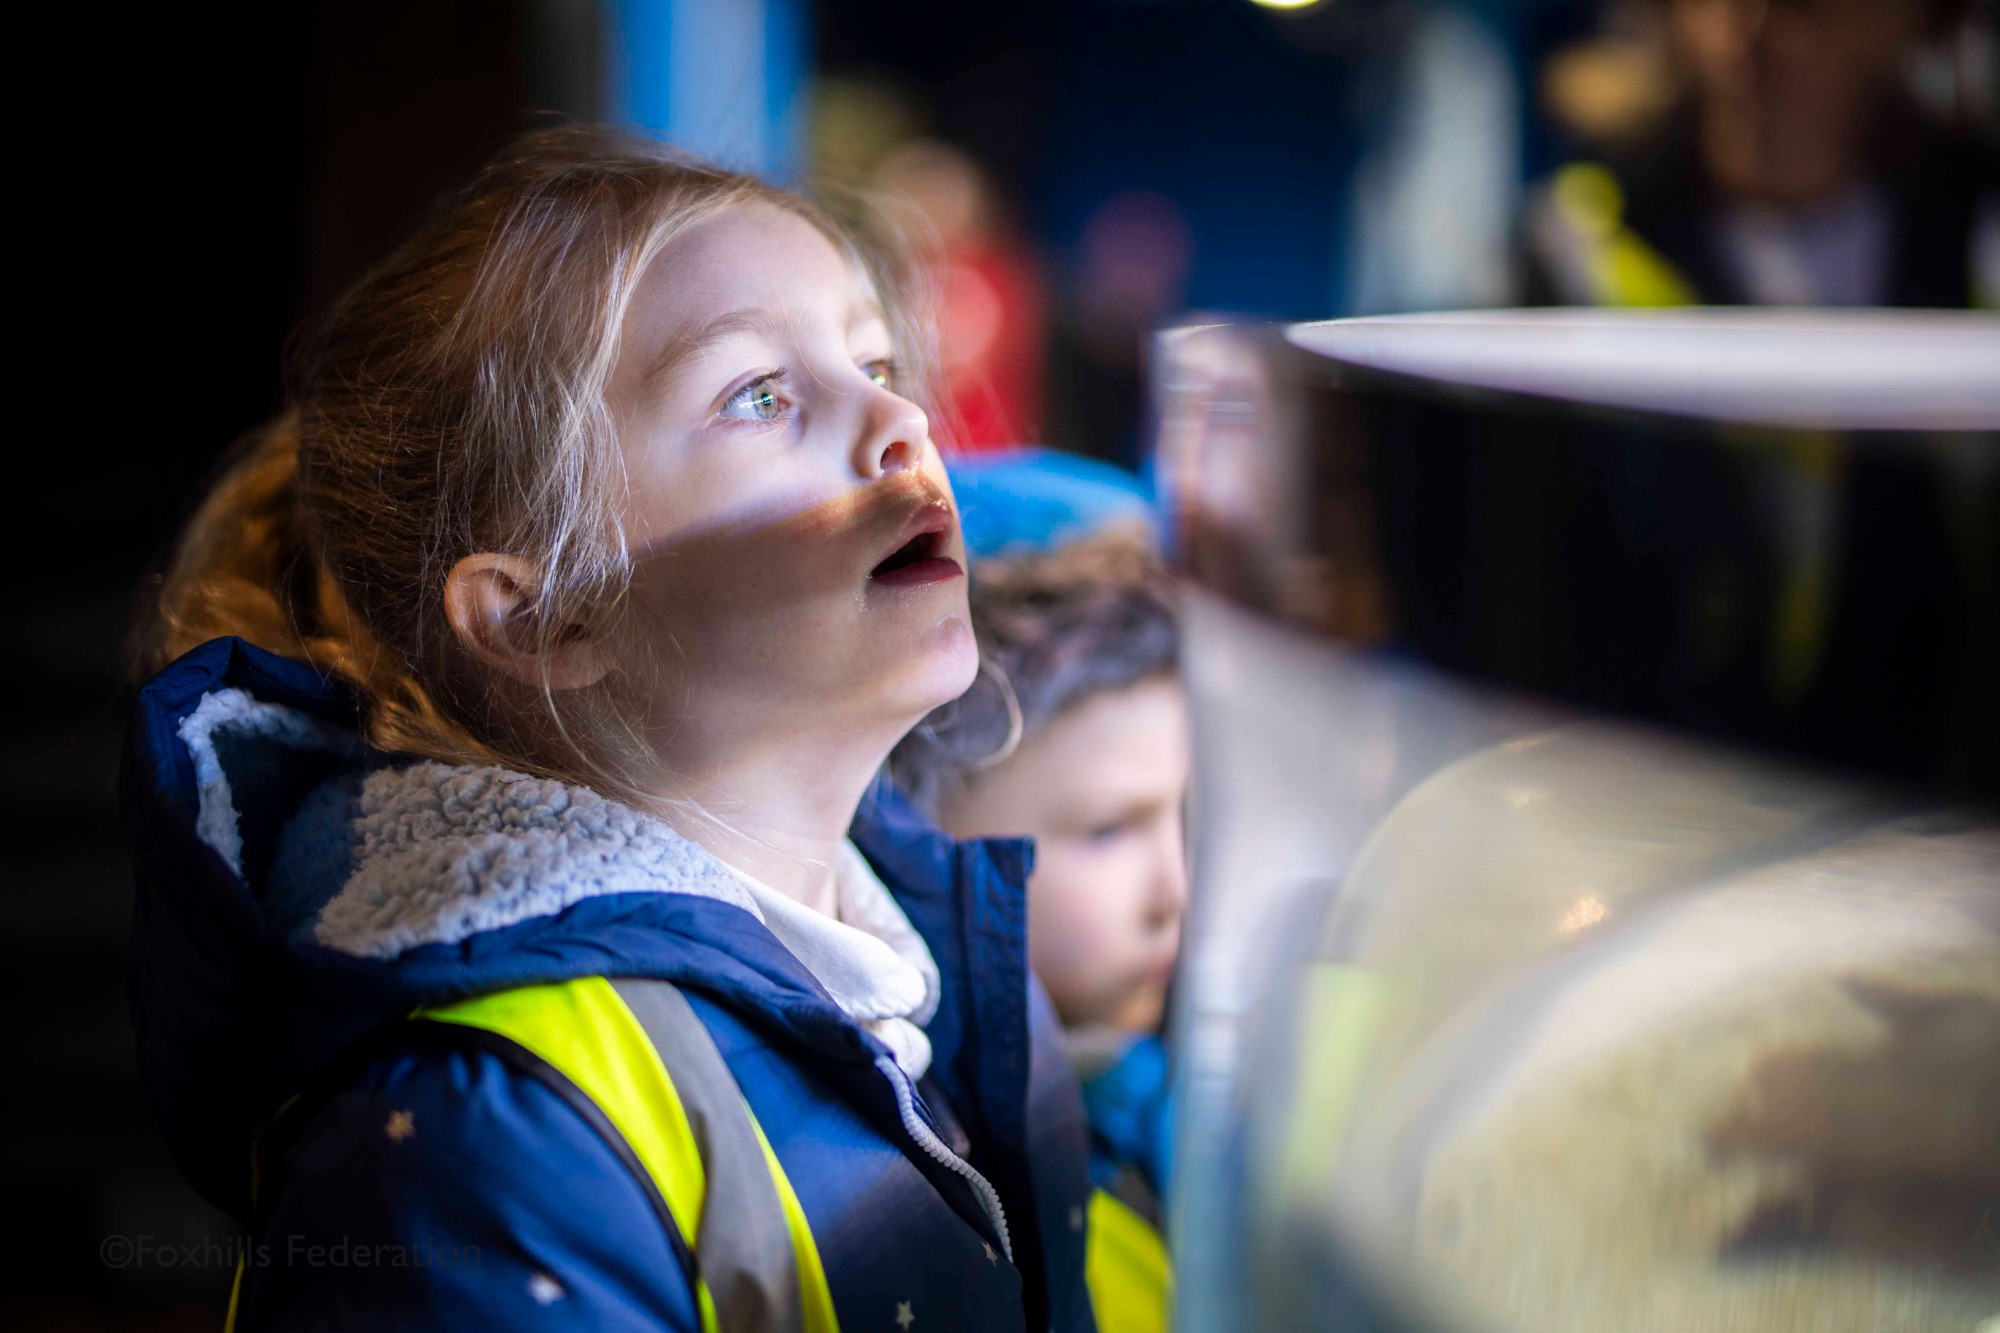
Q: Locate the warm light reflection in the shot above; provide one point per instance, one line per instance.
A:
(1585, 912)
(1284, 4)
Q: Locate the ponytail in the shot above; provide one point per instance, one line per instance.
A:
(238, 566)
(245, 566)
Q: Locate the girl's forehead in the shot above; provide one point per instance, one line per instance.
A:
(756, 256)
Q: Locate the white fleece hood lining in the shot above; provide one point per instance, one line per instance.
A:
(443, 852)
(234, 712)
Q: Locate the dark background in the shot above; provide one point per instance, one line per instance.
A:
(238, 168)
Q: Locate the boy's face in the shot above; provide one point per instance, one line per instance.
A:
(1100, 789)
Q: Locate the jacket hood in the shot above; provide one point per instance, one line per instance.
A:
(296, 890)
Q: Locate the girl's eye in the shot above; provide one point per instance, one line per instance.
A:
(759, 400)
(882, 372)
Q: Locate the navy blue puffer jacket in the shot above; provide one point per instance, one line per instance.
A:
(235, 1013)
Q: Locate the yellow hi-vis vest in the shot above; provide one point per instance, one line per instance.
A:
(1125, 1266)
(635, 1060)
(1577, 225)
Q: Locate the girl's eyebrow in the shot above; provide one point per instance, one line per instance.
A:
(865, 312)
(683, 345)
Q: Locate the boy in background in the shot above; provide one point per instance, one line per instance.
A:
(1076, 734)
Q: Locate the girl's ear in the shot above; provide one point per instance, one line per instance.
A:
(490, 600)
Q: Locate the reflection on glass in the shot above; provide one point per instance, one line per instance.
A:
(1505, 1013)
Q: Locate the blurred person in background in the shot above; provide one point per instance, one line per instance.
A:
(1076, 734)
(1779, 154)
(989, 297)
(1131, 275)
(1438, 183)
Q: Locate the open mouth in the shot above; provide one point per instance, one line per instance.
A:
(921, 559)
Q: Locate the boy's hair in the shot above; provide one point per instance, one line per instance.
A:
(452, 402)
(1053, 630)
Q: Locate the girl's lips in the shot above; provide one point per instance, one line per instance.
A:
(921, 558)
(932, 569)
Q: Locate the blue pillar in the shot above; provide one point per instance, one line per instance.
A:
(722, 78)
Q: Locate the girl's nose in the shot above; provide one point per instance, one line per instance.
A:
(894, 432)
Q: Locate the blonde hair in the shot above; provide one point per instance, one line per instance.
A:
(452, 402)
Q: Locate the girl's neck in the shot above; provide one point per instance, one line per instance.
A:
(779, 816)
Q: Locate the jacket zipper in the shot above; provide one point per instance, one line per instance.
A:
(936, 1148)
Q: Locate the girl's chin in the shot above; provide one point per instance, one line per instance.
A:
(936, 669)
(948, 657)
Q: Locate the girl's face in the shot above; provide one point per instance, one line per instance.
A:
(798, 571)
(1100, 788)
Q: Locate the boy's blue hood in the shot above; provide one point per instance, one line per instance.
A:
(234, 1011)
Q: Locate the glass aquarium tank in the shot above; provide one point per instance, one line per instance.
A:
(1597, 910)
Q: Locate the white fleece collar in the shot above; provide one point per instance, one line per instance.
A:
(443, 852)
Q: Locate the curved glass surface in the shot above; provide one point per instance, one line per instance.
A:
(1838, 370)
(1504, 1010)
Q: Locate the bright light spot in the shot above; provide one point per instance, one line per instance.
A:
(1523, 797)
(1284, 4)
(1585, 912)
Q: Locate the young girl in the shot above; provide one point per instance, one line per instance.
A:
(1077, 735)
(521, 937)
